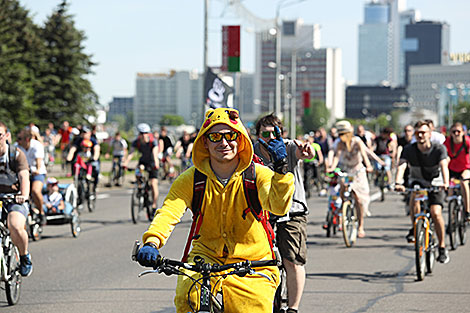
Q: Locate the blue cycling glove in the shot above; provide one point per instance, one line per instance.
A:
(278, 152)
(148, 255)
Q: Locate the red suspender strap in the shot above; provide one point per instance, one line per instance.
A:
(251, 195)
(198, 195)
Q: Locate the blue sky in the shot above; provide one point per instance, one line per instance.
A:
(130, 36)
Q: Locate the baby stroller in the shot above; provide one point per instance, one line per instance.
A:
(69, 215)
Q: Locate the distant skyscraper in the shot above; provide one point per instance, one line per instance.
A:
(317, 70)
(427, 42)
(380, 55)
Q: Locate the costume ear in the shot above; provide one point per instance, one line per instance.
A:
(209, 113)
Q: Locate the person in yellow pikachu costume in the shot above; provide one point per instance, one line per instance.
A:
(222, 151)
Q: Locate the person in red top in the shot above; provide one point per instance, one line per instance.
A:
(458, 145)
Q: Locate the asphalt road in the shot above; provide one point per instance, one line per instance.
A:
(94, 273)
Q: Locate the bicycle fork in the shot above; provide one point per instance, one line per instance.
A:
(427, 228)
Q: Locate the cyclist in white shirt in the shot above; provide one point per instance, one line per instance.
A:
(34, 151)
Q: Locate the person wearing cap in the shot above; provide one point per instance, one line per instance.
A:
(351, 154)
(34, 151)
(222, 151)
(53, 200)
(81, 145)
(148, 146)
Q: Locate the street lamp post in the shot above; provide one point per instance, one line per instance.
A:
(293, 101)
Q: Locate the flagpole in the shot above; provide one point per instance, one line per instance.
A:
(204, 72)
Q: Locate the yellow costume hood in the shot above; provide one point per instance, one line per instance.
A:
(228, 117)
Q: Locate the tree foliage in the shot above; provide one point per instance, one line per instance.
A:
(172, 120)
(43, 69)
(461, 114)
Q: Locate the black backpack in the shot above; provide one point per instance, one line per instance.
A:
(251, 195)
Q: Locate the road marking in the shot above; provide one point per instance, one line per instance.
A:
(375, 196)
(102, 196)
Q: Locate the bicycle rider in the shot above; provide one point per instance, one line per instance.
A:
(166, 148)
(16, 180)
(34, 151)
(119, 148)
(77, 148)
(428, 166)
(351, 152)
(222, 151)
(458, 145)
(291, 229)
(147, 145)
(386, 149)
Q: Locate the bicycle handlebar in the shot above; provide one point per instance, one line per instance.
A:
(169, 266)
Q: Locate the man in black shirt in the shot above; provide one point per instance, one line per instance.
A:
(428, 167)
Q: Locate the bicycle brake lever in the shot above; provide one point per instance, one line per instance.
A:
(252, 272)
(148, 272)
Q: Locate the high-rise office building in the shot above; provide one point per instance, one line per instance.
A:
(175, 93)
(317, 70)
(120, 106)
(372, 101)
(435, 87)
(381, 59)
(427, 42)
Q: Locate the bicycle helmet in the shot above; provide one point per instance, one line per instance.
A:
(86, 143)
(143, 128)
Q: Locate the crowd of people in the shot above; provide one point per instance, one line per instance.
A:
(222, 151)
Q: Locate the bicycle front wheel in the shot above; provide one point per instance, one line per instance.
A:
(431, 251)
(137, 206)
(349, 223)
(420, 249)
(452, 223)
(13, 285)
(462, 225)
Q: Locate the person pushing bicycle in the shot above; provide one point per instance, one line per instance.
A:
(226, 231)
(428, 166)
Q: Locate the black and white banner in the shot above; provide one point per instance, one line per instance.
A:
(216, 91)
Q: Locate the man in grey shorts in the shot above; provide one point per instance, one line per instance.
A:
(14, 178)
(292, 228)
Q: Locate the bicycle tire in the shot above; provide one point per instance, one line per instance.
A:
(280, 297)
(134, 205)
(81, 195)
(462, 225)
(382, 185)
(420, 249)
(349, 222)
(91, 202)
(452, 223)
(75, 224)
(13, 285)
(431, 251)
(329, 223)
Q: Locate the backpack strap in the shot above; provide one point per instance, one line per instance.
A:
(254, 206)
(199, 188)
(12, 158)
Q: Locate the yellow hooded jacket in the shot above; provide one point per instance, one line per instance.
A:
(224, 232)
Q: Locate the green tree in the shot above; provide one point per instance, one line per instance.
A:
(316, 116)
(171, 120)
(20, 50)
(462, 113)
(64, 92)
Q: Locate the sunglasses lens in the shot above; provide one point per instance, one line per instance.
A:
(266, 134)
(231, 136)
(215, 137)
